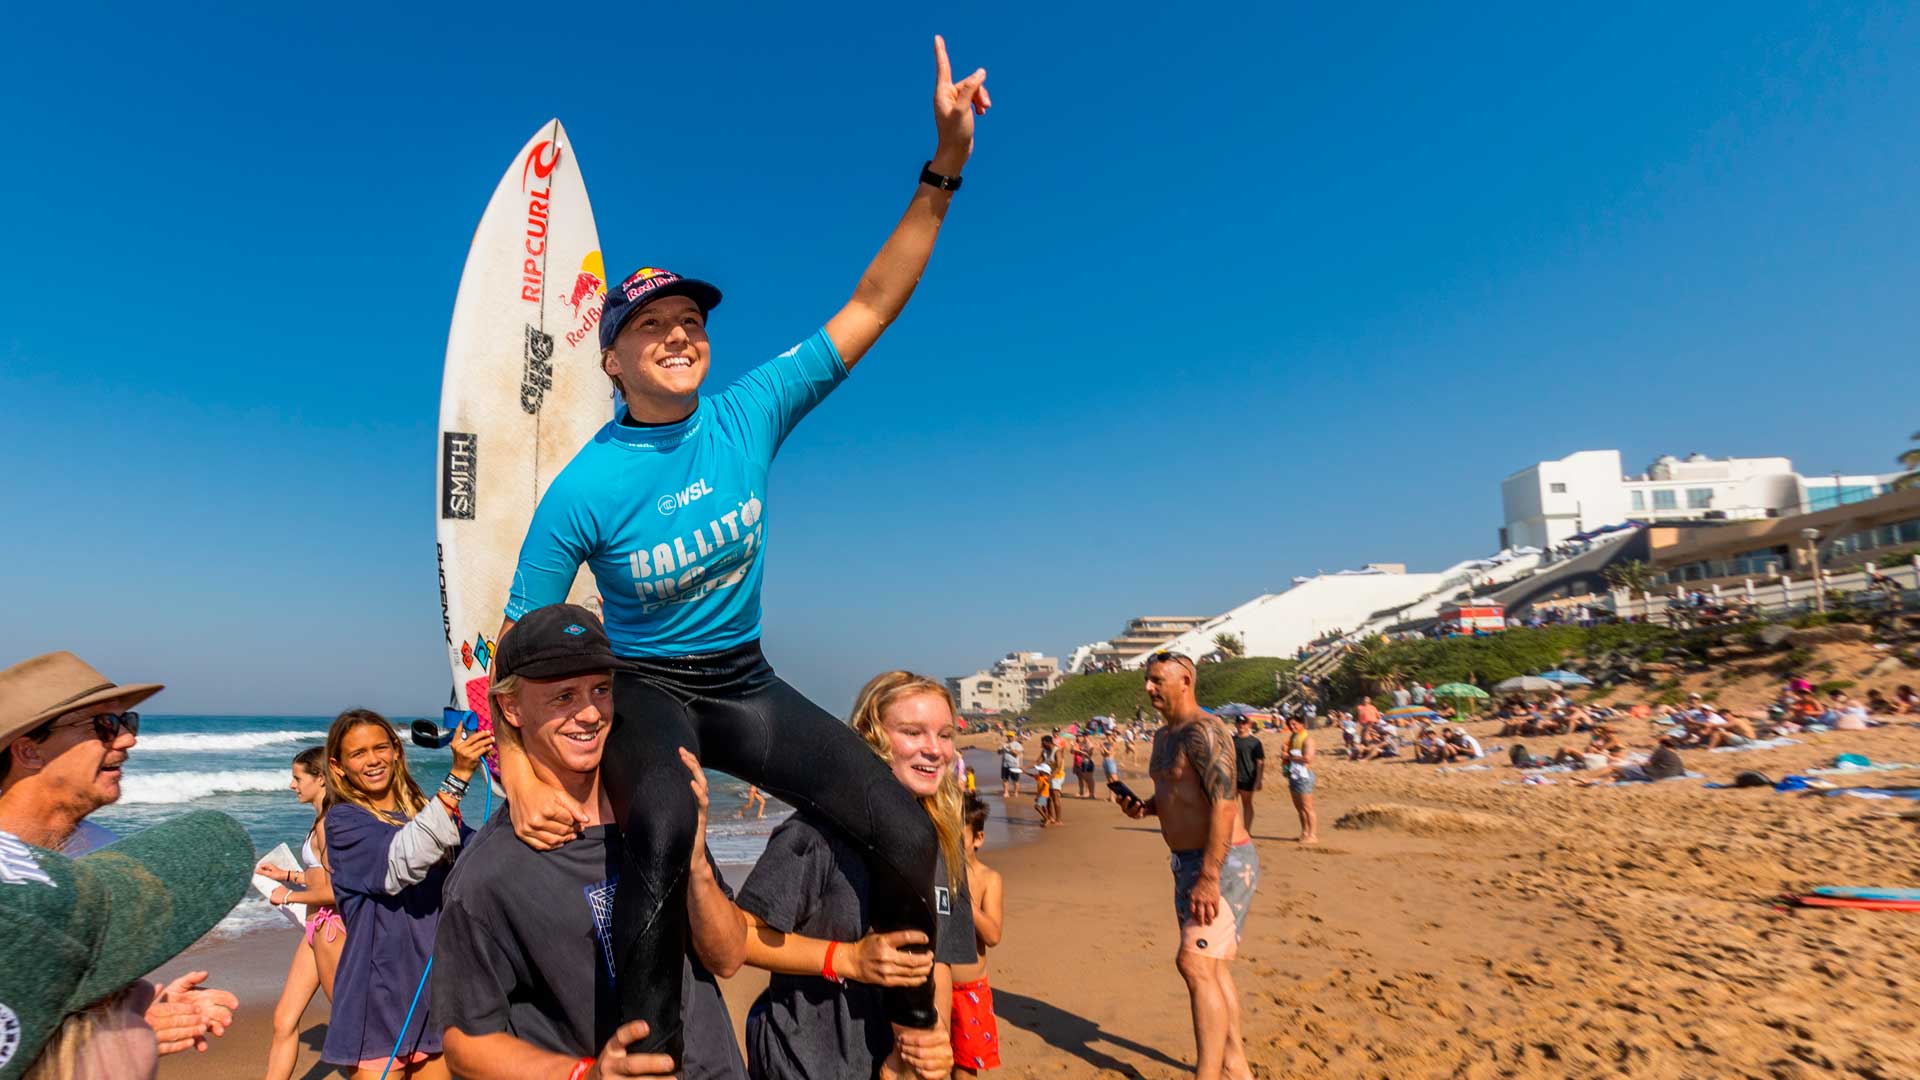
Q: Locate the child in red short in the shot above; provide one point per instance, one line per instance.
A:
(976, 1035)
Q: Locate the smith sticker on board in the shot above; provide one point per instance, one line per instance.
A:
(459, 469)
(536, 377)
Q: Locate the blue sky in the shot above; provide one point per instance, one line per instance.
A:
(1228, 297)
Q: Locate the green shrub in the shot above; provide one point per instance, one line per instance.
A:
(1670, 697)
(1835, 684)
(1079, 697)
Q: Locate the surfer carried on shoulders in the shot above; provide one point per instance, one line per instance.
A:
(668, 506)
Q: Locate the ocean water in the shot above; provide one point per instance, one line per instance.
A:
(243, 766)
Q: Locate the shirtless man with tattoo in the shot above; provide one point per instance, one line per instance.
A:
(1215, 868)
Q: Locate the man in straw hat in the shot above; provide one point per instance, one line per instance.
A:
(83, 933)
(65, 732)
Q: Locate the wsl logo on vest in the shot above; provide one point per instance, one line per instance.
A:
(668, 504)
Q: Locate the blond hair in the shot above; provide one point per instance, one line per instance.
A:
(506, 686)
(340, 790)
(943, 806)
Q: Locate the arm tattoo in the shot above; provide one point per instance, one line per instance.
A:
(1212, 760)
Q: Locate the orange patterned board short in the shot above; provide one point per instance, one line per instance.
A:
(976, 1034)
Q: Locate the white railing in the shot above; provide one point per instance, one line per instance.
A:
(1780, 593)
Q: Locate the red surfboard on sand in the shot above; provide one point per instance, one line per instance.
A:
(1852, 902)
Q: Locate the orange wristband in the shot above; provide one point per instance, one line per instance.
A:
(580, 1069)
(826, 966)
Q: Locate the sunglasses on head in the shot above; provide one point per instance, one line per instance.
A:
(108, 726)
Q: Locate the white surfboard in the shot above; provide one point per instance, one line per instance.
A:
(522, 391)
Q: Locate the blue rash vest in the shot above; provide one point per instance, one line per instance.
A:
(671, 518)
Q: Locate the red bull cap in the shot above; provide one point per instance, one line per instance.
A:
(643, 287)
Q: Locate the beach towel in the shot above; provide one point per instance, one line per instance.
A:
(1874, 793)
(1758, 744)
(1878, 766)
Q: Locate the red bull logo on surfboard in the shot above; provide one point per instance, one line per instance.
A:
(588, 297)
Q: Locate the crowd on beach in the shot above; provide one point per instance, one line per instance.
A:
(403, 896)
(396, 883)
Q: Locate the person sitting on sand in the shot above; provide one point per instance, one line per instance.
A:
(1462, 746)
(1846, 714)
(1367, 744)
(1877, 703)
(1429, 748)
(1906, 701)
(1663, 764)
(1731, 730)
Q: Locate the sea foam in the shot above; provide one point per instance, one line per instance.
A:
(219, 742)
(180, 787)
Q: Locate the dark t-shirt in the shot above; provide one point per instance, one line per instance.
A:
(813, 881)
(1664, 764)
(526, 948)
(1247, 753)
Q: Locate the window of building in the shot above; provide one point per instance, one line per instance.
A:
(1557, 489)
(1639, 500)
(1665, 499)
(1699, 498)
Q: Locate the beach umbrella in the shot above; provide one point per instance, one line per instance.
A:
(1565, 678)
(1410, 712)
(1234, 709)
(1459, 690)
(1526, 684)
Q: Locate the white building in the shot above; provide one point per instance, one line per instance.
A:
(1014, 682)
(1139, 637)
(1549, 501)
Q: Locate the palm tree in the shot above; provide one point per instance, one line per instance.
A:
(1367, 661)
(1633, 576)
(1910, 461)
(1229, 644)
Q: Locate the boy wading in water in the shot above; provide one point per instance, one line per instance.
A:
(976, 1034)
(1215, 868)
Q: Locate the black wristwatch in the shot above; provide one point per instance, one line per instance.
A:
(934, 179)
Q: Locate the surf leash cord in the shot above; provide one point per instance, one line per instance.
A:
(485, 813)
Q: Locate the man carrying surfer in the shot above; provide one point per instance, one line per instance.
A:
(668, 506)
(1215, 867)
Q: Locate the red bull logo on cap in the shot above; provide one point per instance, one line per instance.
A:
(645, 280)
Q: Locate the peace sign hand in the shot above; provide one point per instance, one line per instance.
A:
(954, 107)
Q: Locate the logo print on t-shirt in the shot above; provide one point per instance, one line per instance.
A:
(942, 900)
(9, 1035)
(600, 902)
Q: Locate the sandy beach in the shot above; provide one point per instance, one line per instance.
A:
(1453, 924)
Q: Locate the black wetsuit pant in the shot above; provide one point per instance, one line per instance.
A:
(737, 716)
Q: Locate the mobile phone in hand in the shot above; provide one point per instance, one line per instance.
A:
(1122, 791)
